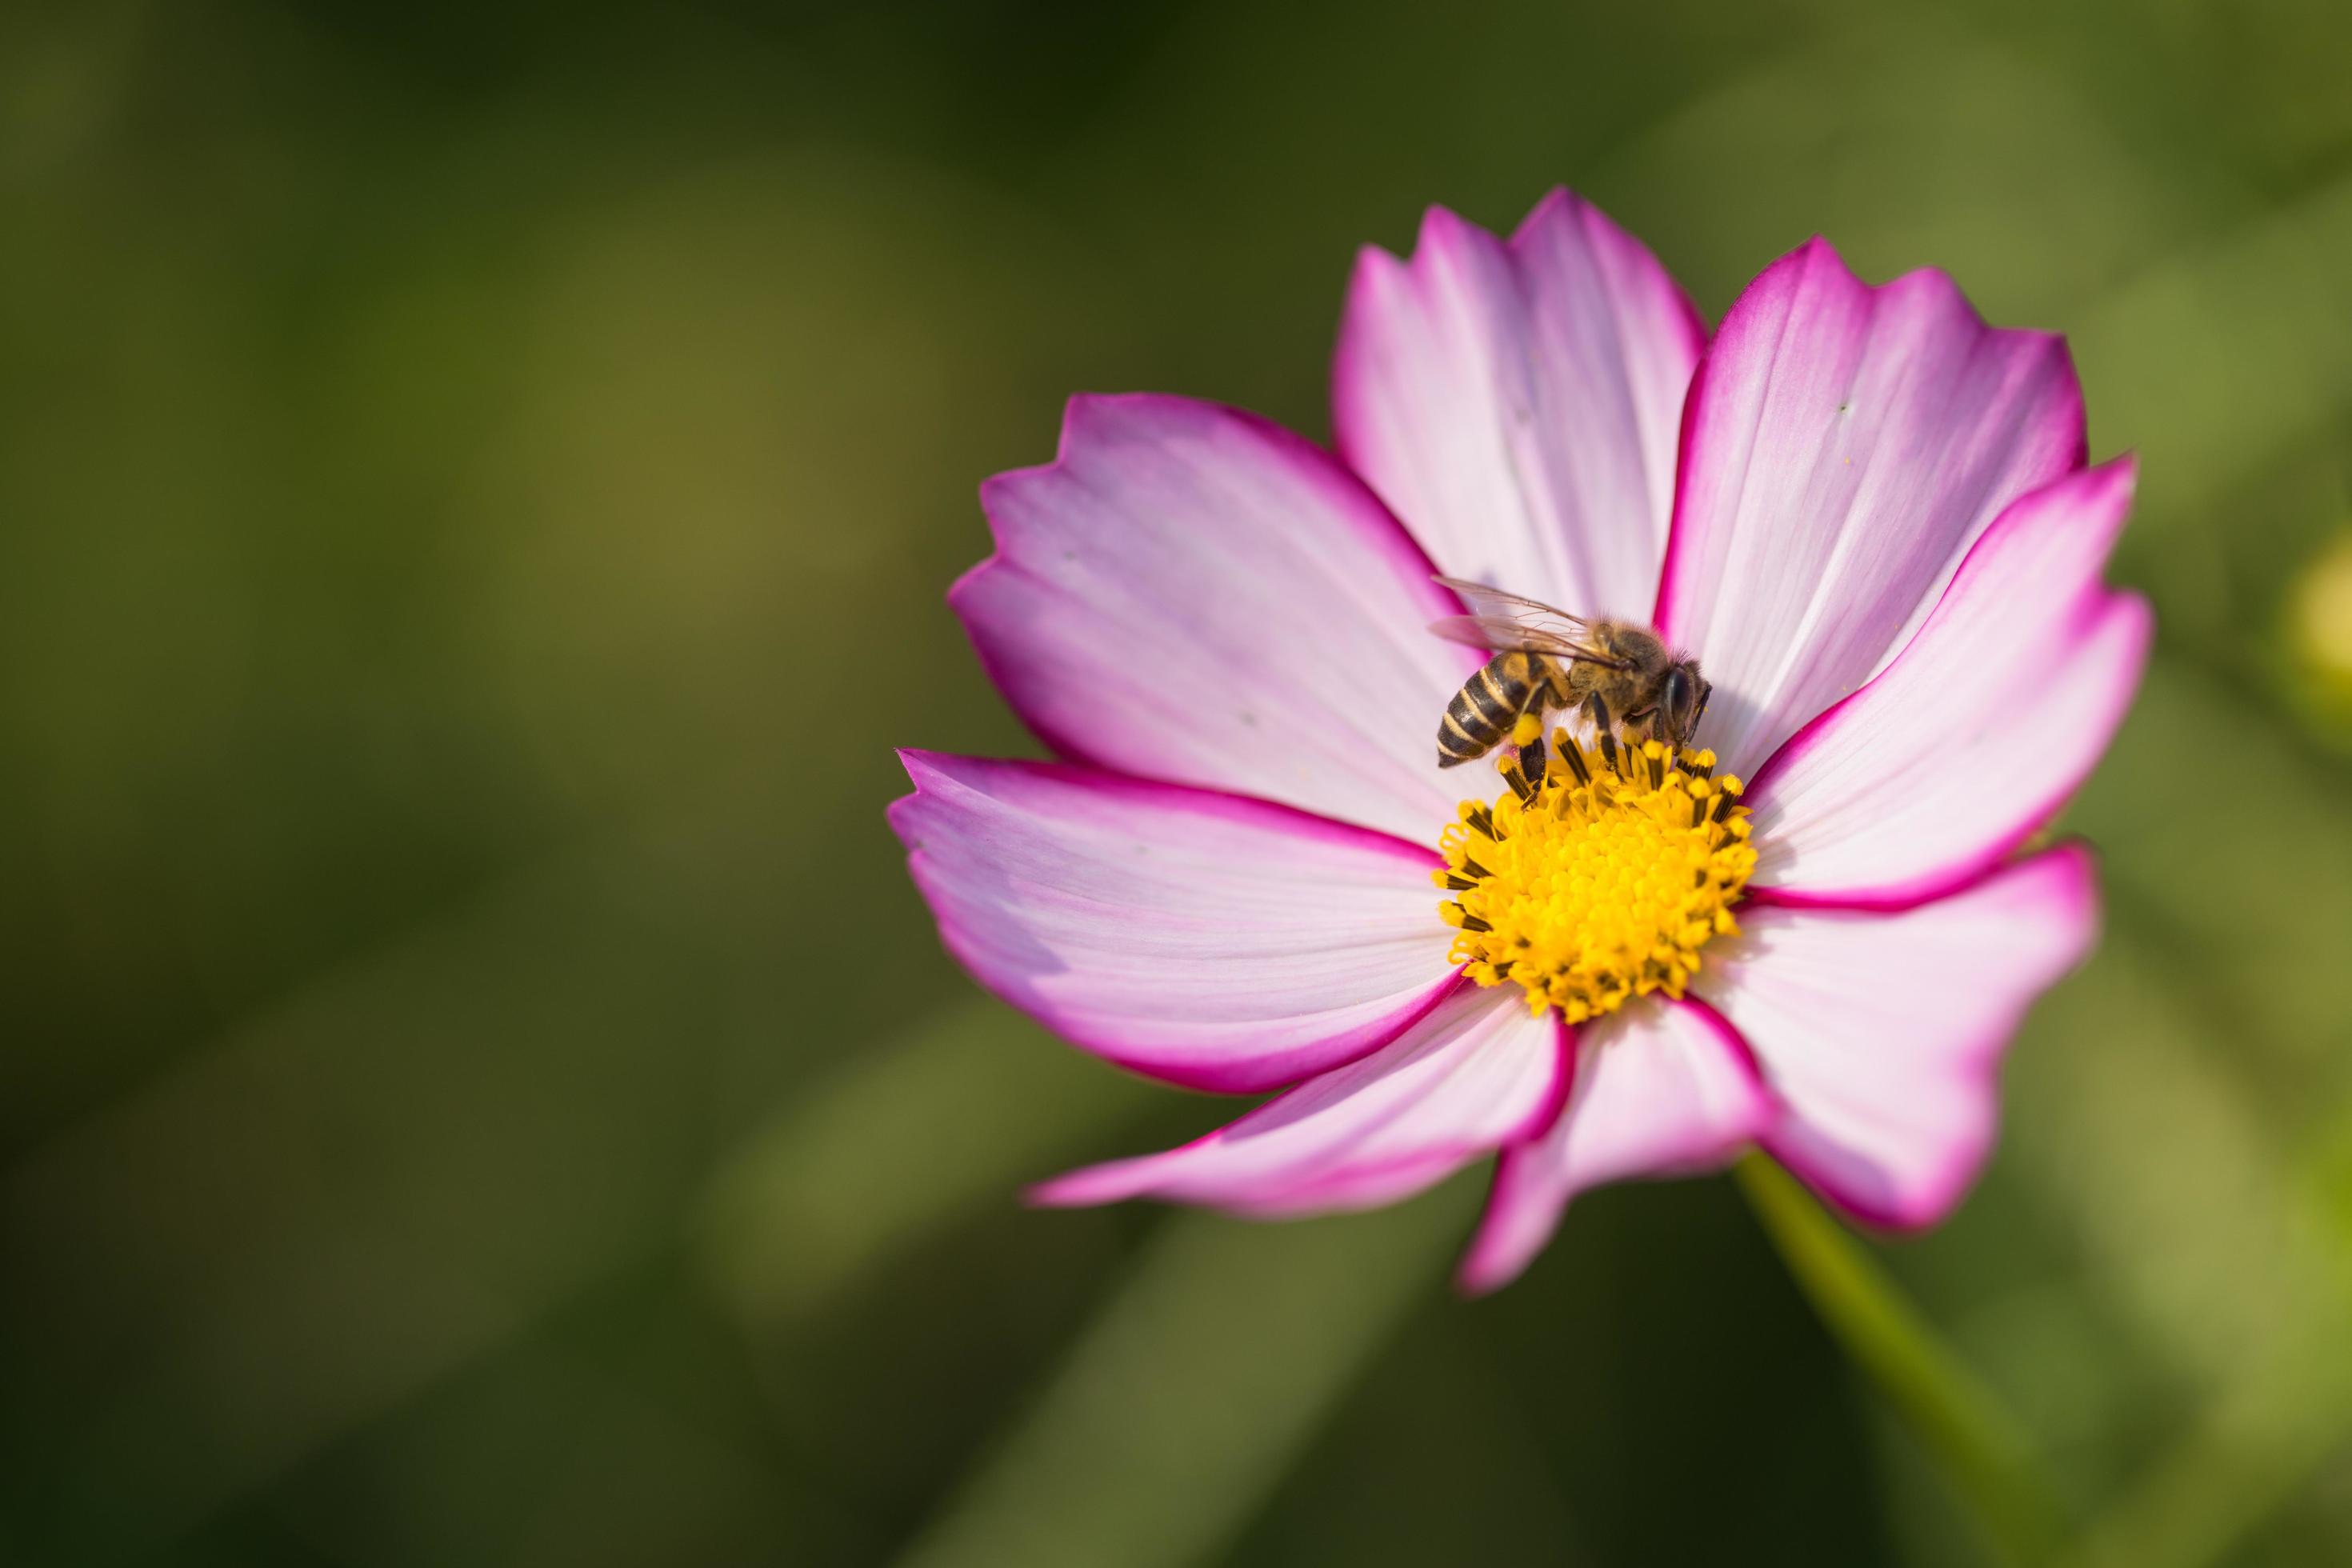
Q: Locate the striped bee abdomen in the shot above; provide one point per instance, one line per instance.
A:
(1482, 714)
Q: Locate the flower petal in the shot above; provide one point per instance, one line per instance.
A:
(1209, 940)
(1191, 594)
(1882, 1033)
(1476, 1072)
(1519, 403)
(1843, 447)
(1663, 1090)
(1980, 729)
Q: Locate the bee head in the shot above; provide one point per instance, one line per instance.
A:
(1682, 701)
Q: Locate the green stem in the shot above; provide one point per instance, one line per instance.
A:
(1978, 1444)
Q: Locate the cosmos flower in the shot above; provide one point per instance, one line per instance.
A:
(1867, 513)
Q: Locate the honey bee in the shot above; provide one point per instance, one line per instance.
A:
(1617, 672)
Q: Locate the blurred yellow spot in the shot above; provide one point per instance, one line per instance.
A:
(2322, 613)
(1601, 881)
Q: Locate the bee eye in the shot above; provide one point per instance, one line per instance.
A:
(1680, 695)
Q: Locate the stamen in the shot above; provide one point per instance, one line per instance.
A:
(1590, 886)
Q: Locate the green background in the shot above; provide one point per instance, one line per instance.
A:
(476, 1086)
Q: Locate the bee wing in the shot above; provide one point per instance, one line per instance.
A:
(1498, 635)
(1493, 603)
(1504, 622)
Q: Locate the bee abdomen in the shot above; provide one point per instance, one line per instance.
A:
(1483, 710)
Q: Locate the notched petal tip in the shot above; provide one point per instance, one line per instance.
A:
(1441, 225)
(1083, 1188)
(1553, 205)
(2073, 872)
(923, 772)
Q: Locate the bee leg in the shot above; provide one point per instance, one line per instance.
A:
(1527, 735)
(1653, 726)
(1598, 712)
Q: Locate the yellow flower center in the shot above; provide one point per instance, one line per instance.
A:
(1601, 879)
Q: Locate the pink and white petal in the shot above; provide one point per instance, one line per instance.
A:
(1661, 1089)
(1980, 730)
(1883, 1034)
(1191, 594)
(1843, 447)
(1209, 940)
(1518, 404)
(1473, 1074)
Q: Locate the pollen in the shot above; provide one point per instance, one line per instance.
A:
(1599, 881)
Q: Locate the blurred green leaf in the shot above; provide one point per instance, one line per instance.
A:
(2243, 1458)
(388, 1176)
(1183, 1403)
(962, 1111)
(2222, 357)
(2228, 846)
(2262, 1440)
(2211, 1238)
(1980, 1447)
